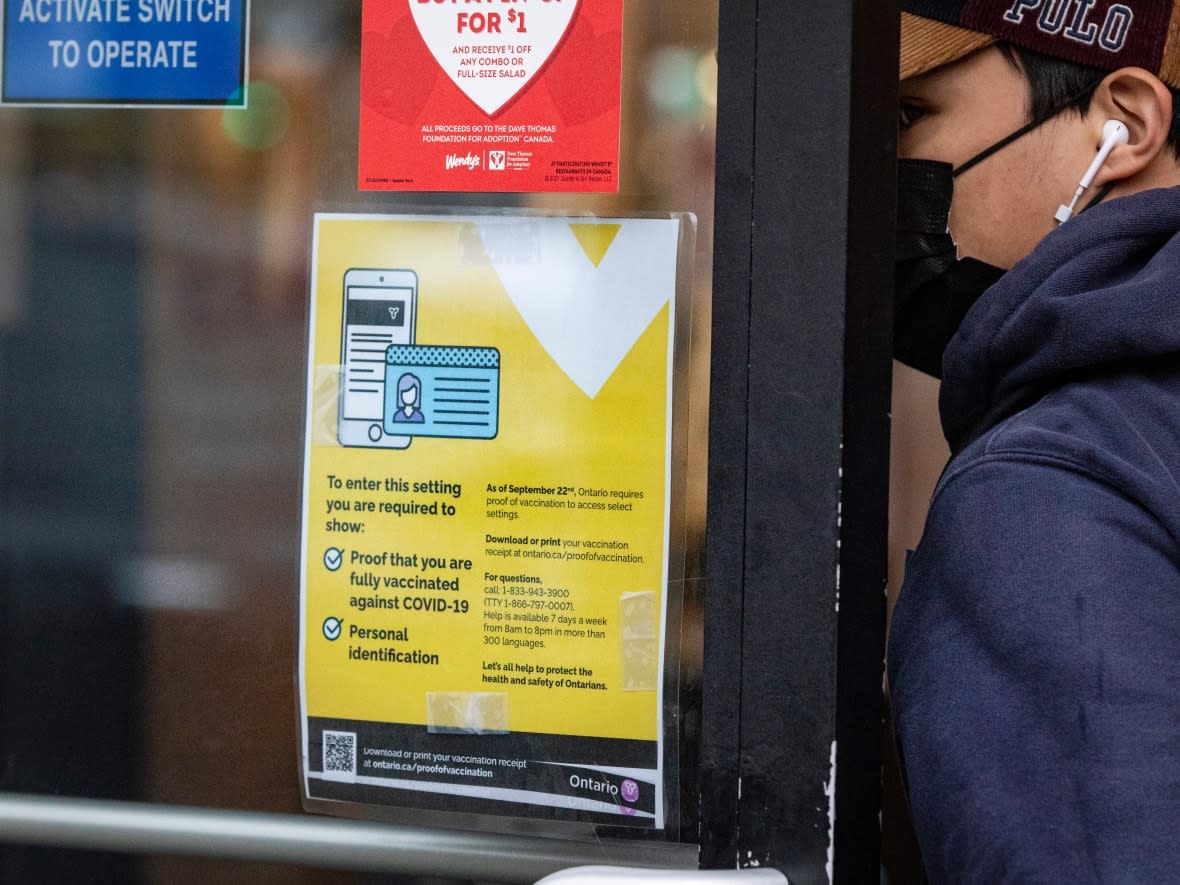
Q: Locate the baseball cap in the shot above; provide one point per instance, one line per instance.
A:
(1102, 34)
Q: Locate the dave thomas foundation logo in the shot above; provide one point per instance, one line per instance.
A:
(457, 161)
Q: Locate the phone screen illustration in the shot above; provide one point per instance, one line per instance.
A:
(380, 309)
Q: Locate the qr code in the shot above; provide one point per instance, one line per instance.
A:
(339, 753)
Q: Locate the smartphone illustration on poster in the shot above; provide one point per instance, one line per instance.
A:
(380, 309)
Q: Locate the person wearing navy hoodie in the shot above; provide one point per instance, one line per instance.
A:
(1034, 655)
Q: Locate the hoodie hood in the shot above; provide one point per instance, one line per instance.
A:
(1101, 291)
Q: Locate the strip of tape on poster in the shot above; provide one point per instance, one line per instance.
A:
(487, 516)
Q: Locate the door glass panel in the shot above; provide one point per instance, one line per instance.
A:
(153, 318)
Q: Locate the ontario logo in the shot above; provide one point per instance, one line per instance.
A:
(455, 161)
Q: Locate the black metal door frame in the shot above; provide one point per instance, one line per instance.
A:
(799, 438)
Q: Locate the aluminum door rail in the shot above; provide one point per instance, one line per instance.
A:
(616, 876)
(142, 828)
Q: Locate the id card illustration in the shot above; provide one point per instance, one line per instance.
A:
(450, 392)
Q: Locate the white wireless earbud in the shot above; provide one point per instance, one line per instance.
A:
(1114, 132)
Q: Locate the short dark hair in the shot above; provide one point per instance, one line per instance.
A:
(1053, 81)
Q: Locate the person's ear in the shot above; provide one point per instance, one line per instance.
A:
(1141, 101)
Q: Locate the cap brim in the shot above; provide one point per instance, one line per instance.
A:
(927, 44)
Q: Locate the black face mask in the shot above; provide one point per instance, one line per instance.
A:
(934, 288)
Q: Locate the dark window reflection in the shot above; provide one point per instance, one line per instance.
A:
(153, 296)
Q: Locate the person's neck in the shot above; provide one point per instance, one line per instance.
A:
(1163, 172)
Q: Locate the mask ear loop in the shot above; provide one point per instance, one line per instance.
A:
(1003, 143)
(1029, 127)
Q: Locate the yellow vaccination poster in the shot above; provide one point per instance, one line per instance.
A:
(486, 514)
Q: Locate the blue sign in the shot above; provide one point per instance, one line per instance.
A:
(124, 52)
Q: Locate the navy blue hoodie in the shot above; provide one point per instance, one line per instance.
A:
(1034, 656)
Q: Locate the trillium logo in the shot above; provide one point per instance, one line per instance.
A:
(471, 161)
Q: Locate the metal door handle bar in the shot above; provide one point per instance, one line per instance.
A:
(616, 876)
(142, 828)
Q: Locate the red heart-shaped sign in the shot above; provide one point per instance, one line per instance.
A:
(492, 51)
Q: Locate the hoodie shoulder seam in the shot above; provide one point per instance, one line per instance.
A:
(1028, 457)
(1032, 457)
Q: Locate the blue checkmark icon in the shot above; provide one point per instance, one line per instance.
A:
(332, 628)
(333, 558)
